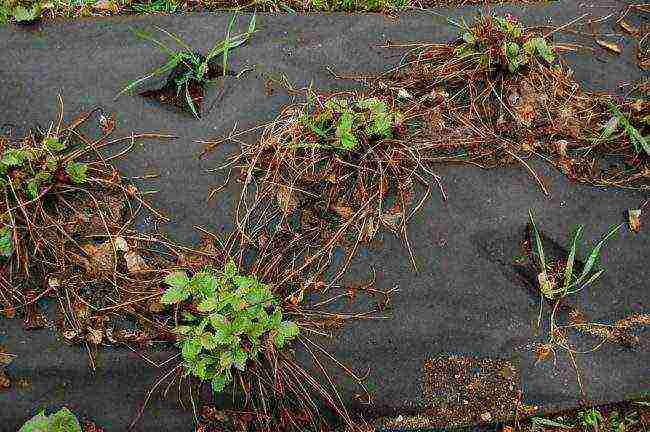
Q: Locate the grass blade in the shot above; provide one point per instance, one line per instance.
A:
(176, 39)
(638, 141)
(190, 102)
(171, 64)
(590, 281)
(226, 44)
(538, 241)
(568, 271)
(149, 37)
(595, 253)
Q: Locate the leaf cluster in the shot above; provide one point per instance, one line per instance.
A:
(344, 124)
(61, 421)
(26, 171)
(233, 315)
(501, 41)
(27, 14)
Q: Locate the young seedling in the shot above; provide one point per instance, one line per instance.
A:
(189, 71)
(232, 317)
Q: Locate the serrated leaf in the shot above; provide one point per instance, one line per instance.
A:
(243, 283)
(64, 421)
(225, 360)
(218, 320)
(346, 138)
(38, 423)
(190, 349)
(208, 305)
(288, 329)
(204, 283)
(239, 359)
(14, 157)
(230, 269)
(174, 295)
(77, 171)
(177, 279)
(209, 341)
(32, 189)
(275, 318)
(6, 242)
(240, 325)
(53, 144)
(183, 329)
(220, 382)
(23, 14)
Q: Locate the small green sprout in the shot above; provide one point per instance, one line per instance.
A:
(233, 314)
(517, 49)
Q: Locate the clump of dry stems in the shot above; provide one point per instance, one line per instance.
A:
(500, 94)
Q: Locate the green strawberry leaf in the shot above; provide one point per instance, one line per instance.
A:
(53, 144)
(190, 349)
(175, 295)
(208, 305)
(177, 279)
(230, 269)
(14, 157)
(219, 382)
(6, 242)
(77, 172)
(64, 421)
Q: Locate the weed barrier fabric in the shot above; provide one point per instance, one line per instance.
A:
(466, 300)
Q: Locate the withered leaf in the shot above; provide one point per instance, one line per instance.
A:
(610, 46)
(634, 219)
(135, 263)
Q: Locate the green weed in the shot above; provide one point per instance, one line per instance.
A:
(639, 142)
(20, 13)
(357, 5)
(235, 313)
(195, 67)
(572, 283)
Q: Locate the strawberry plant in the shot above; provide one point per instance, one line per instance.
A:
(501, 41)
(342, 124)
(28, 172)
(230, 317)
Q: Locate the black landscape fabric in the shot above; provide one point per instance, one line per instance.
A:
(466, 300)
